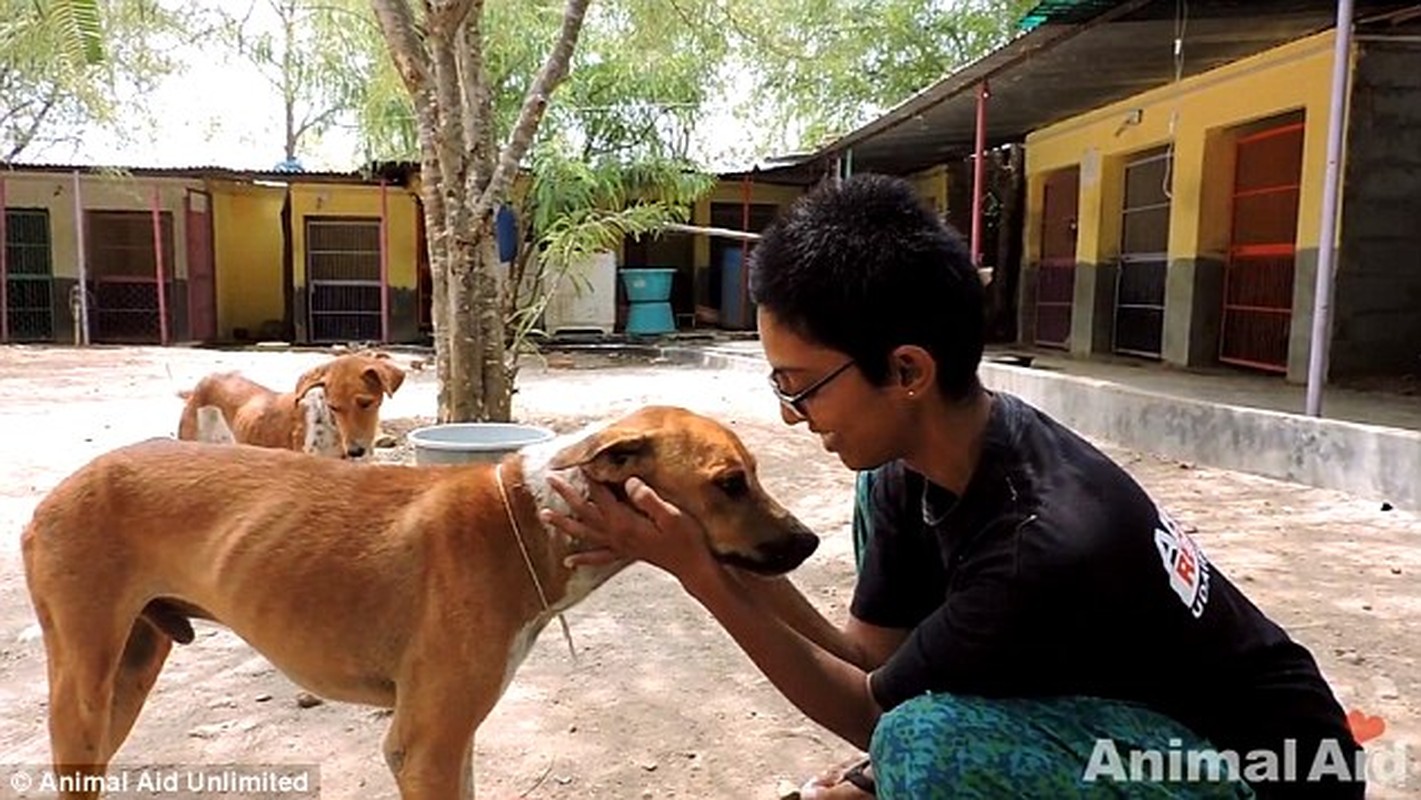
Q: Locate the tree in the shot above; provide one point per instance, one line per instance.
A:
(440, 53)
(65, 65)
(607, 161)
(819, 68)
(315, 54)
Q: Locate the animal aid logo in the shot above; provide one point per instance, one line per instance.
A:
(1184, 562)
(1378, 764)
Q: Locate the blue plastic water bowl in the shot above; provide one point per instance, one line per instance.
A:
(470, 442)
(648, 285)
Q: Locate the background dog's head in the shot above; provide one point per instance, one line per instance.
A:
(703, 468)
(354, 386)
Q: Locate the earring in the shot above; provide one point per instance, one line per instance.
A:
(910, 394)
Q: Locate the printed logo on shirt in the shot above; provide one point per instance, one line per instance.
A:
(1185, 564)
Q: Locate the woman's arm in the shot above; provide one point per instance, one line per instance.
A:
(859, 643)
(828, 688)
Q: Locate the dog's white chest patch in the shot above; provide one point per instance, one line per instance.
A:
(322, 437)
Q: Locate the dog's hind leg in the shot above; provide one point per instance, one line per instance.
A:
(83, 657)
(138, 669)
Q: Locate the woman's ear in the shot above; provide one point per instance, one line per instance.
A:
(912, 369)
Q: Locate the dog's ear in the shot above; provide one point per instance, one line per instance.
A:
(310, 379)
(384, 374)
(606, 457)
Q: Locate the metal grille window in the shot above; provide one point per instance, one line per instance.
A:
(1258, 280)
(29, 275)
(123, 269)
(343, 276)
(1144, 256)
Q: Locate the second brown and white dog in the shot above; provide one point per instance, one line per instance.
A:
(334, 410)
(416, 588)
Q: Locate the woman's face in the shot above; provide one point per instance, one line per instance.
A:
(855, 420)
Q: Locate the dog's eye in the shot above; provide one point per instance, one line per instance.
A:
(365, 402)
(733, 484)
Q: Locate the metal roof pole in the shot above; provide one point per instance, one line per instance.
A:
(1327, 240)
(4, 270)
(83, 298)
(160, 273)
(385, 261)
(979, 171)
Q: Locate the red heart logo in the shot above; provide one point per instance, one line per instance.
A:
(1365, 728)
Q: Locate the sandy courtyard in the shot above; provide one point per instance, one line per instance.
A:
(659, 702)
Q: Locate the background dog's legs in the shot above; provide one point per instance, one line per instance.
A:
(138, 669)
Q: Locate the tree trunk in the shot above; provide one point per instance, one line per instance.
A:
(465, 178)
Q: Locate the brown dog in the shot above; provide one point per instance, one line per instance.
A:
(335, 410)
(417, 588)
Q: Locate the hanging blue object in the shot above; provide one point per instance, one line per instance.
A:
(505, 226)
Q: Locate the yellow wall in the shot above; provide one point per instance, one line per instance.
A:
(733, 191)
(55, 192)
(1290, 78)
(931, 184)
(247, 249)
(346, 200)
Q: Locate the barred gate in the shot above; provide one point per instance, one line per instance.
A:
(1258, 279)
(124, 269)
(343, 279)
(29, 276)
(1144, 256)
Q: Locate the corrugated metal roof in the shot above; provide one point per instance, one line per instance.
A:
(1059, 70)
(1066, 11)
(392, 171)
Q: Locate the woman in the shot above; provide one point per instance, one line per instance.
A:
(1025, 618)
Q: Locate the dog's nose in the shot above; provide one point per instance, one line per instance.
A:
(355, 451)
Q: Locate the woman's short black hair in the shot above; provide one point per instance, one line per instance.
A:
(864, 266)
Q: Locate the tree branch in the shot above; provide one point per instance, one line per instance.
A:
(535, 104)
(26, 138)
(406, 49)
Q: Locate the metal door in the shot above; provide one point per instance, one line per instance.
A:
(1056, 273)
(1144, 256)
(343, 279)
(124, 269)
(29, 276)
(201, 277)
(1258, 278)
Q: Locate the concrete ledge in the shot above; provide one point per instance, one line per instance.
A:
(1370, 461)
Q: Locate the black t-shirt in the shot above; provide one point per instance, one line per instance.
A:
(1056, 574)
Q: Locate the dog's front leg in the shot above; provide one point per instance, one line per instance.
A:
(429, 746)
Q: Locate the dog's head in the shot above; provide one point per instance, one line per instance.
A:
(701, 467)
(354, 387)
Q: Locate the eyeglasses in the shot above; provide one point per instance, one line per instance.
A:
(795, 402)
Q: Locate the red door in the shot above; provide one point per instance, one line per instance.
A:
(201, 275)
(1258, 282)
(1056, 275)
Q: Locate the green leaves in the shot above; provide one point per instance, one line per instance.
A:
(65, 65)
(579, 207)
(80, 33)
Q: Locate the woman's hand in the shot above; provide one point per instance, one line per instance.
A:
(645, 528)
(835, 784)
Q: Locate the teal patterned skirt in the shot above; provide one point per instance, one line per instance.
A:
(970, 748)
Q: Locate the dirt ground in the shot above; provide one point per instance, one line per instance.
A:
(659, 702)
